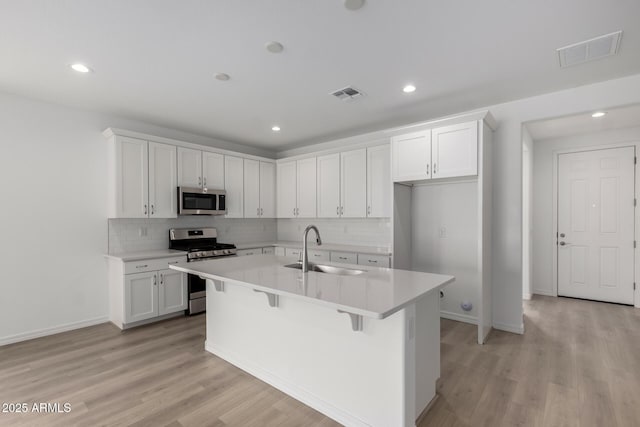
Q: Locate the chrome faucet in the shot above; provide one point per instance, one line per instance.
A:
(305, 255)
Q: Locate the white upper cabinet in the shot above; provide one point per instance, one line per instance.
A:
(234, 183)
(200, 169)
(353, 188)
(286, 193)
(379, 182)
(296, 189)
(267, 190)
(329, 186)
(189, 167)
(306, 191)
(142, 181)
(162, 181)
(411, 156)
(442, 152)
(251, 188)
(131, 192)
(455, 150)
(212, 170)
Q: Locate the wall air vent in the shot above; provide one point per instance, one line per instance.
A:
(589, 50)
(347, 94)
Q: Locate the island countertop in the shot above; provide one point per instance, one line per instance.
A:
(376, 293)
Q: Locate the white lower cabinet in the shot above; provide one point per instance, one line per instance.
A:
(145, 289)
(280, 251)
(269, 250)
(293, 252)
(374, 260)
(245, 252)
(140, 297)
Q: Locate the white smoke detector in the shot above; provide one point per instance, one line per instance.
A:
(589, 50)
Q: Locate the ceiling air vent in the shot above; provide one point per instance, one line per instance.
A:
(589, 50)
(347, 94)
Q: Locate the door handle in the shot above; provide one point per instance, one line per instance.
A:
(427, 169)
(145, 209)
(161, 278)
(257, 211)
(564, 243)
(205, 181)
(434, 168)
(199, 181)
(153, 210)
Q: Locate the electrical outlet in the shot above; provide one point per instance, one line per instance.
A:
(442, 232)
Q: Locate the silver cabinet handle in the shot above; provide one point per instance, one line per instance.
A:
(342, 257)
(297, 211)
(261, 211)
(341, 210)
(317, 255)
(427, 169)
(142, 266)
(174, 262)
(373, 261)
(153, 210)
(199, 181)
(564, 243)
(561, 234)
(155, 278)
(294, 211)
(145, 209)
(434, 168)
(368, 210)
(337, 210)
(205, 181)
(161, 278)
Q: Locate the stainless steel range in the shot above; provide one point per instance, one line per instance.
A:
(200, 244)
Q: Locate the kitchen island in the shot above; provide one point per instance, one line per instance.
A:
(362, 348)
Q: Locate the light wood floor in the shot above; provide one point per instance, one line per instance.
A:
(578, 364)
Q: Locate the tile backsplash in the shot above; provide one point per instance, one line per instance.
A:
(346, 231)
(131, 235)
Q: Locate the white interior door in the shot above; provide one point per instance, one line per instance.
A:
(596, 224)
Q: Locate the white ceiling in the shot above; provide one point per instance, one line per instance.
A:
(155, 60)
(617, 118)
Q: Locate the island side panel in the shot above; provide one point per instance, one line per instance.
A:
(427, 349)
(311, 353)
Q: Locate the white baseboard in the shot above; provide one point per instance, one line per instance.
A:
(543, 292)
(459, 317)
(289, 388)
(509, 328)
(51, 331)
(527, 296)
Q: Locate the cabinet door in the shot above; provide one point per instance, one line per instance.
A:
(212, 170)
(132, 178)
(233, 183)
(353, 192)
(247, 252)
(329, 186)
(306, 191)
(140, 296)
(251, 188)
(172, 292)
(189, 167)
(379, 181)
(411, 156)
(269, 250)
(267, 190)
(163, 181)
(286, 191)
(455, 150)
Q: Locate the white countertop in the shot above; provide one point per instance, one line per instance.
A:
(372, 250)
(154, 254)
(376, 293)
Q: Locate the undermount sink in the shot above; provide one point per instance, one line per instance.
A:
(330, 269)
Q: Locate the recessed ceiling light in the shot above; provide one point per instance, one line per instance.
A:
(353, 4)
(222, 77)
(276, 128)
(409, 89)
(598, 114)
(274, 47)
(81, 68)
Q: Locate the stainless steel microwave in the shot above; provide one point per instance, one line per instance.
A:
(199, 201)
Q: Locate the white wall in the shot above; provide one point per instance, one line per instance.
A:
(54, 228)
(527, 189)
(451, 208)
(543, 236)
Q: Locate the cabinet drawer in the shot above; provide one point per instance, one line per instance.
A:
(255, 251)
(290, 252)
(143, 266)
(344, 257)
(316, 255)
(373, 260)
(280, 251)
(269, 250)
